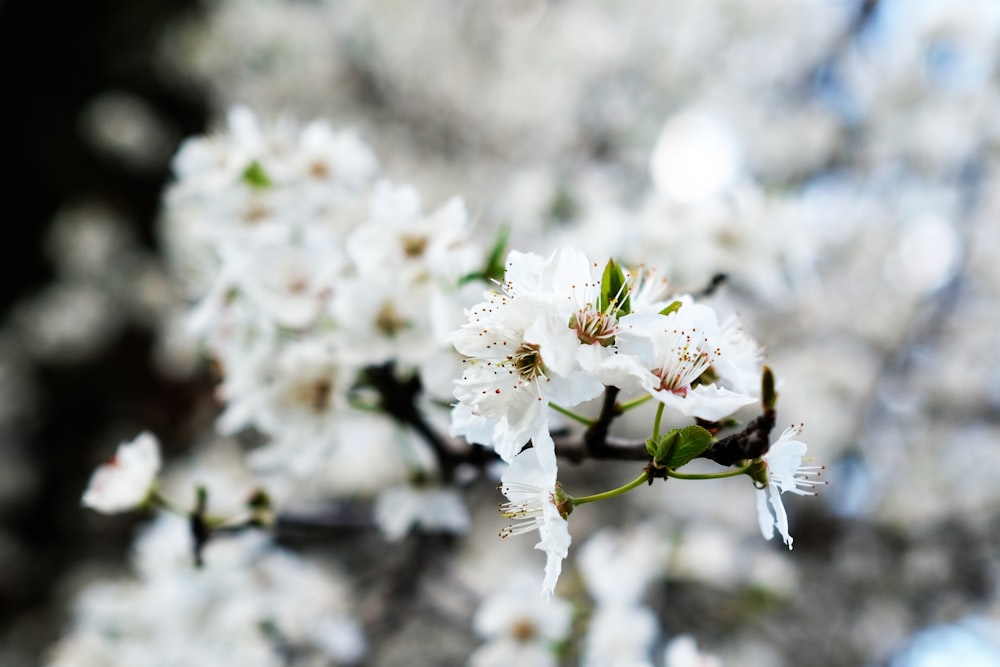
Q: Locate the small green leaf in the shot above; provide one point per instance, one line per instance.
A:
(671, 308)
(494, 268)
(614, 291)
(652, 448)
(494, 263)
(255, 176)
(679, 446)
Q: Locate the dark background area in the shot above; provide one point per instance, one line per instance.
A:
(54, 58)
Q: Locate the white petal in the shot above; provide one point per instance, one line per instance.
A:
(555, 541)
(764, 517)
(780, 517)
(708, 402)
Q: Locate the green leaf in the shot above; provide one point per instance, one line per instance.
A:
(494, 263)
(614, 291)
(494, 268)
(671, 308)
(255, 176)
(678, 447)
(652, 448)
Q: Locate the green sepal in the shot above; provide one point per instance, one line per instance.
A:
(562, 500)
(679, 446)
(759, 473)
(614, 291)
(255, 176)
(671, 308)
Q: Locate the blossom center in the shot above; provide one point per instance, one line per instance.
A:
(593, 326)
(685, 362)
(319, 170)
(523, 630)
(315, 395)
(414, 246)
(527, 361)
(388, 321)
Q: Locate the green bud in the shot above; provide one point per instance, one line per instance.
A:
(255, 176)
(768, 397)
(562, 501)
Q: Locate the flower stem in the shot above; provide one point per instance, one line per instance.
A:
(638, 481)
(157, 499)
(709, 475)
(656, 422)
(634, 403)
(572, 415)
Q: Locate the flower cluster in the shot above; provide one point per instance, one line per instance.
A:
(559, 333)
(305, 269)
(247, 601)
(375, 349)
(562, 330)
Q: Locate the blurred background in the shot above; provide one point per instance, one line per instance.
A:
(835, 158)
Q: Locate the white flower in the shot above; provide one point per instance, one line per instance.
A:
(399, 508)
(620, 635)
(536, 501)
(383, 319)
(400, 240)
(618, 565)
(296, 390)
(519, 628)
(785, 473)
(523, 346)
(333, 157)
(506, 651)
(285, 277)
(666, 354)
(682, 651)
(125, 482)
(249, 595)
(740, 364)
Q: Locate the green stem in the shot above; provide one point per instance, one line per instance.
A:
(572, 415)
(638, 481)
(708, 475)
(656, 422)
(157, 499)
(634, 403)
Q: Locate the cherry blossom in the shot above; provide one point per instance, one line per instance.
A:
(126, 481)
